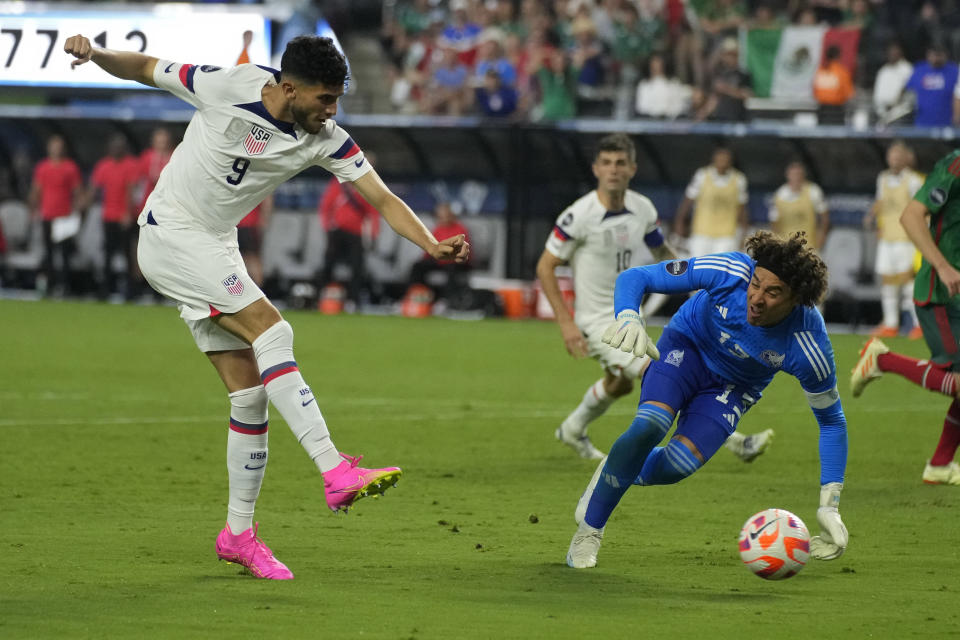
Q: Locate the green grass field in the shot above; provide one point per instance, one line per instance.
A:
(113, 488)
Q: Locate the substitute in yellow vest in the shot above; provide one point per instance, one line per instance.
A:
(799, 205)
(718, 196)
(895, 251)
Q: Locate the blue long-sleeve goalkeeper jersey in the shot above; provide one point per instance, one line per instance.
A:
(715, 319)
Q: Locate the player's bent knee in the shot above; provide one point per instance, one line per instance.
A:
(670, 464)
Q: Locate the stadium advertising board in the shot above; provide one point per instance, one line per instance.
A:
(32, 38)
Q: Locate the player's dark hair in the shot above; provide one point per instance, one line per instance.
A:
(617, 142)
(791, 260)
(314, 60)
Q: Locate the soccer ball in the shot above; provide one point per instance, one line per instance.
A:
(774, 544)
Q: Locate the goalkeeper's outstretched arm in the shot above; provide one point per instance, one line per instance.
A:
(126, 65)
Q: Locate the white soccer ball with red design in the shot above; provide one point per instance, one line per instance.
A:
(774, 544)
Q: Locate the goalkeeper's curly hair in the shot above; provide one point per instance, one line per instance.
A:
(314, 60)
(797, 264)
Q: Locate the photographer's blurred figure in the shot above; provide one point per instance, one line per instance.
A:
(447, 226)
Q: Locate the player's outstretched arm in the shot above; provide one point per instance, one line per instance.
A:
(126, 65)
(405, 222)
(914, 223)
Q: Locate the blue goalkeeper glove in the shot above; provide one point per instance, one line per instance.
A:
(833, 538)
(629, 333)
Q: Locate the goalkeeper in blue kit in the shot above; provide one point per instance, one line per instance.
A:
(754, 315)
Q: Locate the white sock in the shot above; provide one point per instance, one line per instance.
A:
(246, 455)
(291, 395)
(908, 306)
(889, 300)
(595, 401)
(734, 441)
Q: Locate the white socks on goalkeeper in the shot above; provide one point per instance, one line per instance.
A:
(291, 395)
(595, 401)
(246, 455)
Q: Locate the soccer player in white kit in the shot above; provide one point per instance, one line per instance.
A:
(254, 128)
(603, 233)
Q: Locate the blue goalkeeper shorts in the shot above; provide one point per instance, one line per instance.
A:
(708, 407)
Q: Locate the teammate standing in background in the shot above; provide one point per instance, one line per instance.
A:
(799, 205)
(938, 309)
(718, 196)
(114, 177)
(152, 162)
(56, 192)
(348, 220)
(253, 129)
(250, 233)
(600, 235)
(895, 252)
(753, 315)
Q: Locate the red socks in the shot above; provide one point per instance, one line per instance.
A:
(949, 438)
(935, 377)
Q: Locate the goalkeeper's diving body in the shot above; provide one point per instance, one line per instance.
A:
(754, 314)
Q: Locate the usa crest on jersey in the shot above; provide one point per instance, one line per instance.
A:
(256, 141)
(233, 284)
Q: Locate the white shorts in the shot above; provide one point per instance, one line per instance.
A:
(703, 245)
(894, 258)
(204, 274)
(613, 361)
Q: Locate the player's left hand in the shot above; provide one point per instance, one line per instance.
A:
(833, 538)
(456, 248)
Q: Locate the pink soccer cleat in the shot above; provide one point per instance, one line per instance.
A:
(347, 483)
(250, 551)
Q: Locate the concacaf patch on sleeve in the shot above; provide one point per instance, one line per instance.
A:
(677, 267)
(938, 196)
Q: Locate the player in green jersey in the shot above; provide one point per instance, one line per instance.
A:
(938, 310)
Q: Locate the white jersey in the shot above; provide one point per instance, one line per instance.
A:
(599, 244)
(234, 153)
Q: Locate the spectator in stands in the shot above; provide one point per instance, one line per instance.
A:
(115, 178)
(490, 56)
(635, 38)
(587, 61)
(799, 205)
(933, 82)
(889, 84)
(461, 33)
(764, 17)
(685, 40)
(832, 87)
(494, 99)
(896, 187)
(721, 19)
(730, 86)
(250, 232)
(152, 162)
(556, 82)
(718, 196)
(349, 221)
(55, 197)
(659, 96)
(447, 91)
(447, 226)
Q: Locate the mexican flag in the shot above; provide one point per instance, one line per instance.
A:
(783, 61)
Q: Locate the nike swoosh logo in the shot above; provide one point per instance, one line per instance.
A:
(246, 466)
(306, 402)
(358, 163)
(169, 67)
(754, 534)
